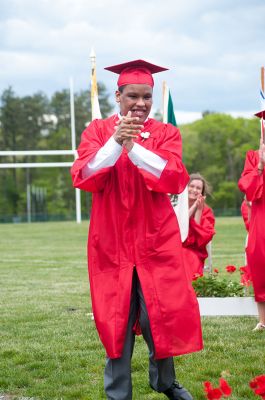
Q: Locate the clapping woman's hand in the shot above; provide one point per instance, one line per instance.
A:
(200, 202)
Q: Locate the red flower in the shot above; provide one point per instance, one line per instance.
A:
(196, 276)
(225, 388)
(260, 379)
(230, 269)
(253, 384)
(242, 269)
(207, 386)
(217, 393)
(216, 270)
(257, 384)
(212, 393)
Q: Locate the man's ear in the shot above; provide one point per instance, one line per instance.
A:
(118, 96)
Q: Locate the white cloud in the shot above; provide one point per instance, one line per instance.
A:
(186, 117)
(214, 48)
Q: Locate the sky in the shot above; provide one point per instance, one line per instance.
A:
(214, 49)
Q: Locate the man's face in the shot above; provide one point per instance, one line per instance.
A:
(135, 98)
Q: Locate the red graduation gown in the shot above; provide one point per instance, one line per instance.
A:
(252, 184)
(194, 247)
(133, 225)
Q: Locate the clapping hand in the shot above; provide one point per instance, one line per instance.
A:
(127, 130)
(200, 202)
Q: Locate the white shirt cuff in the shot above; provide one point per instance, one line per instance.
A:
(105, 157)
(147, 160)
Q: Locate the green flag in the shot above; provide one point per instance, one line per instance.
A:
(168, 108)
(170, 111)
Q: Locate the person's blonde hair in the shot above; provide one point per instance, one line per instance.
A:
(206, 187)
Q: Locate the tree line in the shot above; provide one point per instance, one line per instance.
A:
(40, 123)
(215, 146)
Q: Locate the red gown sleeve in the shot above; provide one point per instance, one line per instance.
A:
(250, 182)
(245, 214)
(174, 177)
(201, 234)
(92, 140)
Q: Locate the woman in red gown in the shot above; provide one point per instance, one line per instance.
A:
(252, 183)
(201, 226)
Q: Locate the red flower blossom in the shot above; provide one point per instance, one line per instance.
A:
(207, 386)
(216, 270)
(253, 384)
(217, 393)
(212, 393)
(196, 276)
(260, 379)
(230, 269)
(225, 388)
(257, 384)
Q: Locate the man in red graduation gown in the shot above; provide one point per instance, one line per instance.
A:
(131, 162)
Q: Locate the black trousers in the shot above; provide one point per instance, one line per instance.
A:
(117, 376)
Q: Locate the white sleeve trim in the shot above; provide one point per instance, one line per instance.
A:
(147, 160)
(105, 157)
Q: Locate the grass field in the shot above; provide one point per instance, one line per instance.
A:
(49, 347)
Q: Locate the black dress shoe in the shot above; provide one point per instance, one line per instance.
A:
(177, 392)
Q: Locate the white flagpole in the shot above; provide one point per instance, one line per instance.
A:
(165, 102)
(95, 108)
(77, 191)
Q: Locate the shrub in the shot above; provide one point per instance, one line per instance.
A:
(212, 285)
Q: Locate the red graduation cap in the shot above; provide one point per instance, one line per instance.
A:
(135, 72)
(260, 114)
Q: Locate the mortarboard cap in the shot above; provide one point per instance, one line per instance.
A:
(135, 72)
(260, 114)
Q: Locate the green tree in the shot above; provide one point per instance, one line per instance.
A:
(33, 123)
(22, 123)
(216, 147)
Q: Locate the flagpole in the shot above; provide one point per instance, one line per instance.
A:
(165, 102)
(95, 109)
(262, 79)
(93, 71)
(72, 111)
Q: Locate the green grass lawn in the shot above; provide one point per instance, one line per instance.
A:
(49, 347)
